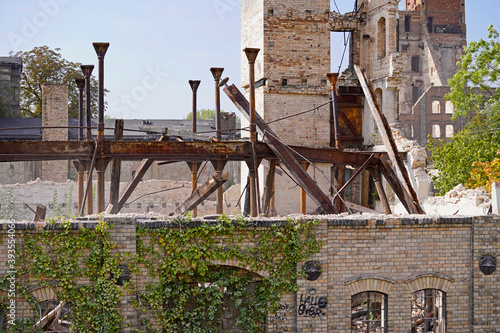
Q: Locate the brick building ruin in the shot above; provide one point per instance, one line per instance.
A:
(378, 273)
(10, 72)
(408, 55)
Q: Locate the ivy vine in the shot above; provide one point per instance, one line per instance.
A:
(188, 266)
(192, 288)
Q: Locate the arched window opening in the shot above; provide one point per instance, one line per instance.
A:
(379, 96)
(436, 107)
(449, 131)
(428, 311)
(449, 108)
(436, 131)
(369, 312)
(381, 39)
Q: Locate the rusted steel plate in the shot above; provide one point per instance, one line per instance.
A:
(44, 150)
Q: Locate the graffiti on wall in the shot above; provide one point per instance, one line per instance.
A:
(279, 320)
(312, 305)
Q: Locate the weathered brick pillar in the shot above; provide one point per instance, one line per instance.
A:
(55, 113)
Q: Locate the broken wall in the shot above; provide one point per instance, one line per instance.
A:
(393, 256)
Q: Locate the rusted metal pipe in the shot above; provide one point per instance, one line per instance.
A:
(332, 77)
(217, 73)
(251, 54)
(194, 88)
(87, 71)
(80, 83)
(100, 49)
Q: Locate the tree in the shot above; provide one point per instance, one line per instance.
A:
(203, 114)
(475, 93)
(42, 65)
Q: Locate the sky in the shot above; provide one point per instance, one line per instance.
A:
(156, 46)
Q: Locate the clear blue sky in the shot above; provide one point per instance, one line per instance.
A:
(156, 46)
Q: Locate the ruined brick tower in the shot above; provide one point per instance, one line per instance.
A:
(409, 56)
(294, 43)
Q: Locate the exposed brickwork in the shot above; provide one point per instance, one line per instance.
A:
(389, 255)
(54, 113)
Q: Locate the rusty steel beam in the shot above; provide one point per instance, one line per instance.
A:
(302, 178)
(202, 193)
(268, 198)
(303, 194)
(375, 172)
(396, 186)
(45, 150)
(243, 105)
(388, 139)
(170, 151)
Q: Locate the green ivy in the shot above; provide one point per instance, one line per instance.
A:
(187, 291)
(190, 290)
(62, 259)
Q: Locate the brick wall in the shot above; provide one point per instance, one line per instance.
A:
(394, 256)
(55, 113)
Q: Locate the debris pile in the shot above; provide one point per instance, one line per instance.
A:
(460, 201)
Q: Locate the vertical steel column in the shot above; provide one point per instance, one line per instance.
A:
(194, 88)
(87, 72)
(219, 165)
(332, 77)
(217, 73)
(100, 49)
(251, 55)
(80, 83)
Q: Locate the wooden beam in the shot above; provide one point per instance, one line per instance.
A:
(388, 139)
(201, 193)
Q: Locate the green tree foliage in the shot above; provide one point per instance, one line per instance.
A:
(475, 93)
(203, 114)
(42, 65)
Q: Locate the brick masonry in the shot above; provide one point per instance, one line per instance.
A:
(54, 114)
(394, 256)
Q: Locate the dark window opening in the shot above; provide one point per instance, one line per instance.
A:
(429, 24)
(369, 313)
(407, 23)
(416, 94)
(415, 64)
(284, 82)
(428, 311)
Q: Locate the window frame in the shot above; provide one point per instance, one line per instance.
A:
(384, 321)
(441, 328)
